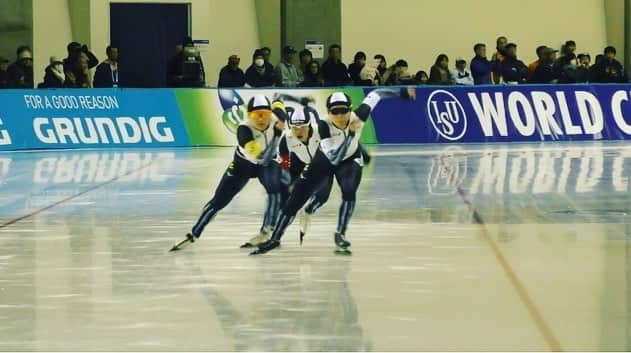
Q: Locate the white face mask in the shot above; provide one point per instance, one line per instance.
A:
(259, 62)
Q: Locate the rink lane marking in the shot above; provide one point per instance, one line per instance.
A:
(540, 322)
(92, 188)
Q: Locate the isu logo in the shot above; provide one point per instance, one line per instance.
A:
(447, 115)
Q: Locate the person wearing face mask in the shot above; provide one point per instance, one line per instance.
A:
(257, 75)
(54, 76)
(21, 71)
(231, 75)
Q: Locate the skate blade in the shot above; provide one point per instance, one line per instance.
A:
(181, 245)
(302, 235)
(342, 251)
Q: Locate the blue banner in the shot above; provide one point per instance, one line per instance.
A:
(47, 119)
(506, 113)
(107, 118)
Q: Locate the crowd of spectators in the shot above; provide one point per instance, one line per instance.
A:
(186, 69)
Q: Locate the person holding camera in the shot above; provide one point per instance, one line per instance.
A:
(74, 53)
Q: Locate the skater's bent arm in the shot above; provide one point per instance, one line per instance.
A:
(246, 140)
(372, 99)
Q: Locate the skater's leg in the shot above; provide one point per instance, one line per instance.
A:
(233, 181)
(348, 176)
(270, 178)
(321, 196)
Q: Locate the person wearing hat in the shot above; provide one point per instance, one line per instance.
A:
(339, 154)
(54, 76)
(286, 72)
(231, 75)
(257, 75)
(547, 71)
(296, 149)
(460, 75)
(21, 71)
(512, 70)
(609, 70)
(4, 73)
(257, 146)
(334, 71)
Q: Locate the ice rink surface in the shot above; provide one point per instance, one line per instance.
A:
(461, 247)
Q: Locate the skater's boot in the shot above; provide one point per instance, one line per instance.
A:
(262, 237)
(340, 241)
(266, 246)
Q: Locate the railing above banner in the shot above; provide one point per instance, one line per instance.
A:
(107, 118)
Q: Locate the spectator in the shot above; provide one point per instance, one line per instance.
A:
(266, 54)
(231, 75)
(106, 74)
(257, 75)
(186, 68)
(54, 76)
(4, 73)
(78, 75)
(305, 57)
(609, 70)
(582, 70)
(460, 75)
(381, 69)
(21, 71)
(421, 78)
(286, 72)
(397, 74)
(567, 64)
(546, 71)
(439, 73)
(355, 69)
(498, 58)
(512, 70)
(74, 52)
(569, 56)
(313, 76)
(533, 65)
(334, 71)
(174, 66)
(481, 67)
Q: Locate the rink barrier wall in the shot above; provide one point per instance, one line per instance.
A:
(140, 118)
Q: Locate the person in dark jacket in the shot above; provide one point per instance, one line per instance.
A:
(582, 70)
(267, 52)
(4, 73)
(439, 73)
(481, 67)
(334, 71)
(74, 52)
(106, 74)
(54, 76)
(381, 69)
(355, 69)
(78, 76)
(231, 75)
(21, 71)
(513, 70)
(257, 75)
(547, 71)
(609, 70)
(313, 76)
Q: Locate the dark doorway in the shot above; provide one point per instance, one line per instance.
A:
(146, 35)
